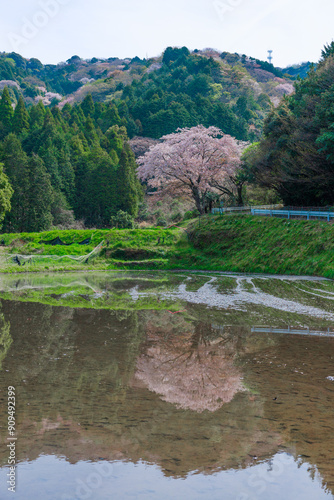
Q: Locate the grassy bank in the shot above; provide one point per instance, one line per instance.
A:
(230, 243)
(120, 249)
(261, 245)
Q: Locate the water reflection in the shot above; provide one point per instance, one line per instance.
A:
(190, 370)
(5, 339)
(188, 393)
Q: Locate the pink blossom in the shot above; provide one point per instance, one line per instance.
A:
(190, 161)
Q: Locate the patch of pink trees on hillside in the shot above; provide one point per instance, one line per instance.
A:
(192, 161)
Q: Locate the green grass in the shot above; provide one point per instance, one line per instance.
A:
(122, 249)
(230, 243)
(121, 238)
(113, 301)
(260, 245)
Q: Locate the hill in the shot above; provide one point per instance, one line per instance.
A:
(298, 70)
(161, 93)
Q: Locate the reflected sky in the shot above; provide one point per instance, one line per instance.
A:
(282, 477)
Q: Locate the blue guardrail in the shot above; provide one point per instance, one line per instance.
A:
(294, 213)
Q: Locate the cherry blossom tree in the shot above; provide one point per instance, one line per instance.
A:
(191, 161)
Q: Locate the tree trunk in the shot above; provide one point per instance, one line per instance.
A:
(240, 201)
(198, 200)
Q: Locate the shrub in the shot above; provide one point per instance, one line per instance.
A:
(122, 220)
(190, 214)
(161, 221)
(176, 217)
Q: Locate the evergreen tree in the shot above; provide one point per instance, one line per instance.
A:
(79, 113)
(74, 118)
(67, 175)
(20, 118)
(296, 155)
(57, 115)
(40, 196)
(66, 112)
(109, 118)
(327, 51)
(128, 188)
(6, 192)
(82, 174)
(16, 168)
(95, 188)
(90, 132)
(116, 136)
(48, 153)
(6, 112)
(36, 115)
(99, 109)
(88, 106)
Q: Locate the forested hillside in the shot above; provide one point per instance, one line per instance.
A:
(65, 129)
(157, 95)
(296, 155)
(298, 70)
(66, 164)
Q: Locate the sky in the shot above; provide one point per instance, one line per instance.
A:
(55, 30)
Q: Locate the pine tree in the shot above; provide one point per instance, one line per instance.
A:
(74, 118)
(6, 112)
(20, 118)
(82, 174)
(49, 125)
(128, 188)
(36, 115)
(327, 51)
(109, 118)
(116, 136)
(16, 168)
(6, 192)
(57, 116)
(67, 174)
(96, 188)
(88, 106)
(79, 113)
(40, 196)
(48, 153)
(90, 132)
(66, 112)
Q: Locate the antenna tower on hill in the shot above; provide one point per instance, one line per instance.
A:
(270, 57)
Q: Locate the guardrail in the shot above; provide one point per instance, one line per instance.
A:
(308, 214)
(289, 330)
(294, 331)
(223, 210)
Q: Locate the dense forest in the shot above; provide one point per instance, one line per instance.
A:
(66, 164)
(296, 155)
(189, 90)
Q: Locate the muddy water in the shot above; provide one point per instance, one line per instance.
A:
(161, 386)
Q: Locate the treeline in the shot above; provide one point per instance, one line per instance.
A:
(67, 164)
(190, 90)
(296, 155)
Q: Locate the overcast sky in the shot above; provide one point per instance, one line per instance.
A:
(54, 30)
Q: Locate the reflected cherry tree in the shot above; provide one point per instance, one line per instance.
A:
(191, 371)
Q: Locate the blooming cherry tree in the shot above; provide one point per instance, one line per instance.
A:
(191, 161)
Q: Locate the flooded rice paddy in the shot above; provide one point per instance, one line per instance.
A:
(154, 385)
